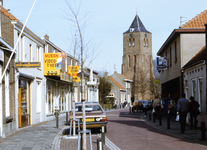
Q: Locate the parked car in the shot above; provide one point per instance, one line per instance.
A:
(95, 115)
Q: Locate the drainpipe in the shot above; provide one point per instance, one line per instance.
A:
(206, 65)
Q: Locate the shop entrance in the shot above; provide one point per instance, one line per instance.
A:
(24, 114)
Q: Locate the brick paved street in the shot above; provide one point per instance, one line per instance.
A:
(128, 132)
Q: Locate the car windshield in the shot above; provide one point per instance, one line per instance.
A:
(144, 102)
(88, 108)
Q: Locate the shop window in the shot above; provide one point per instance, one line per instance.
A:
(62, 100)
(50, 93)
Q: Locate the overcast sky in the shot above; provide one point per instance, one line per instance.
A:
(107, 20)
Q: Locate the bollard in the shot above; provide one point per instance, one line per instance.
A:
(168, 121)
(67, 117)
(109, 107)
(57, 118)
(99, 144)
(105, 107)
(129, 109)
(146, 112)
(103, 134)
(150, 116)
(203, 134)
(160, 119)
(154, 117)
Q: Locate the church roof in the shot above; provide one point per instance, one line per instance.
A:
(136, 26)
(197, 22)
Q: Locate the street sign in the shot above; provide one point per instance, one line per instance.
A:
(156, 81)
(161, 63)
(74, 72)
(27, 65)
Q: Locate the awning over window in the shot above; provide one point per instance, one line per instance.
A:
(23, 76)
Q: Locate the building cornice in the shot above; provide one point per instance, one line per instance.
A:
(174, 34)
(18, 26)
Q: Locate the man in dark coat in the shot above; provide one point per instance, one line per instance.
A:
(183, 109)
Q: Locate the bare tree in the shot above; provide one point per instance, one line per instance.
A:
(83, 48)
(142, 82)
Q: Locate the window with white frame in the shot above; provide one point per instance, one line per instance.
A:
(200, 92)
(38, 54)
(66, 65)
(30, 50)
(22, 48)
(38, 104)
(19, 48)
(53, 50)
(7, 94)
(46, 48)
(193, 88)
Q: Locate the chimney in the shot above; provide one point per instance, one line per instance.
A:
(46, 37)
(106, 74)
(1, 2)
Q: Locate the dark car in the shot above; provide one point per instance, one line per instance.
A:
(147, 104)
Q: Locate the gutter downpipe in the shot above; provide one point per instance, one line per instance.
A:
(206, 64)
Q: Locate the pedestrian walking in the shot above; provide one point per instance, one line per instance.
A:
(183, 109)
(193, 113)
(157, 106)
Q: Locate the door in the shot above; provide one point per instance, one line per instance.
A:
(24, 112)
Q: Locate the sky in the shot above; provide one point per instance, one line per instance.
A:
(106, 21)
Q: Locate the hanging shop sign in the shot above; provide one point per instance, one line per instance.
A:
(52, 64)
(161, 63)
(27, 64)
(156, 81)
(74, 71)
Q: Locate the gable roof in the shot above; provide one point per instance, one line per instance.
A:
(197, 22)
(116, 83)
(6, 13)
(124, 77)
(198, 58)
(137, 25)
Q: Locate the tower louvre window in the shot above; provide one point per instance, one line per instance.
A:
(129, 42)
(133, 42)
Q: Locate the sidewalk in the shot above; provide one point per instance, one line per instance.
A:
(36, 137)
(189, 134)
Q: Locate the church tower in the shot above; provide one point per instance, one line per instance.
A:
(137, 59)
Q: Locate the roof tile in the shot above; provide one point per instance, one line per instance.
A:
(197, 22)
(6, 13)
